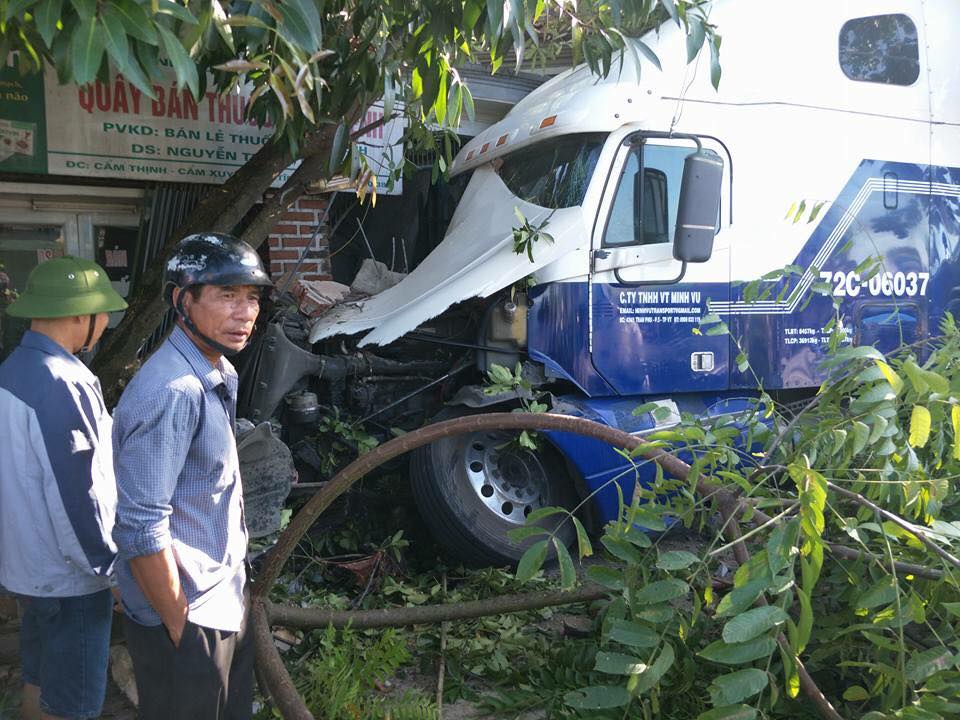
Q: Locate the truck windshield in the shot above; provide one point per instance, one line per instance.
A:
(553, 173)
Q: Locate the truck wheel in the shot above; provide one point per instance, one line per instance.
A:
(472, 489)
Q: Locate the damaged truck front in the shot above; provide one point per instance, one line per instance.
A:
(593, 238)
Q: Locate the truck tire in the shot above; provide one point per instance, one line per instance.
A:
(472, 489)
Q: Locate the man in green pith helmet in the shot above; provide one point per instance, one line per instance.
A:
(58, 493)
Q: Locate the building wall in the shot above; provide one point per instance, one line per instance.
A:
(293, 233)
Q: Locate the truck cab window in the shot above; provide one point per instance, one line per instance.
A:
(645, 213)
(554, 173)
(880, 49)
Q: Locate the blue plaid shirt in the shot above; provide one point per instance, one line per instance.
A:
(178, 482)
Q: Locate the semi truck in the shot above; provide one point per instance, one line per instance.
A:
(833, 139)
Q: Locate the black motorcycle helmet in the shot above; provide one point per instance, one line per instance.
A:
(211, 259)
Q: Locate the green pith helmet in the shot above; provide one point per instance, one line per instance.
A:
(64, 287)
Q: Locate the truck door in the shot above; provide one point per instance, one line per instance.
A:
(645, 307)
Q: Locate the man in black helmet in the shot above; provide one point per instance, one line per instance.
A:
(180, 530)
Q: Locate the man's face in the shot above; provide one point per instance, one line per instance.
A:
(224, 313)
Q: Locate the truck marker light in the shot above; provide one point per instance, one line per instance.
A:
(547, 122)
(470, 155)
(501, 140)
(485, 147)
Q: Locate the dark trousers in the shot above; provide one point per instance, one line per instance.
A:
(209, 677)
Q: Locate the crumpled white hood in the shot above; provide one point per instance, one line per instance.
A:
(475, 259)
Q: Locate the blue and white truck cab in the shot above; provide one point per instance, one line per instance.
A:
(832, 140)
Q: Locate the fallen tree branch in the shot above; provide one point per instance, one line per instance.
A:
(728, 510)
(442, 657)
(278, 680)
(898, 521)
(272, 671)
(308, 618)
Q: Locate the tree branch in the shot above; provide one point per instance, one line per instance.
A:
(898, 521)
(308, 618)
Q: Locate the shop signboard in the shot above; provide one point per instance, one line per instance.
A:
(111, 129)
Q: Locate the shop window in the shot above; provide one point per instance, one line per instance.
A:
(880, 49)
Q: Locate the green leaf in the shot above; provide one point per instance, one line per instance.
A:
(855, 693)
(730, 712)
(922, 665)
(805, 624)
(919, 426)
(738, 653)
(737, 686)
(634, 634)
(676, 560)
(883, 592)
(861, 434)
(115, 38)
(896, 382)
(86, 9)
(87, 50)
(741, 598)
(544, 512)
(568, 574)
(715, 69)
(645, 408)
(671, 7)
(621, 549)
(651, 676)
(816, 211)
(781, 547)
(135, 20)
(952, 607)
(661, 591)
(532, 561)
(176, 10)
(524, 438)
(45, 15)
(338, 151)
(800, 210)
(183, 65)
(695, 37)
(655, 613)
(646, 51)
(597, 697)
(520, 534)
(917, 379)
(468, 106)
(584, 546)
(614, 663)
(606, 576)
(301, 24)
(751, 623)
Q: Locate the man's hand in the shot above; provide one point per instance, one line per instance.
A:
(117, 605)
(159, 578)
(175, 626)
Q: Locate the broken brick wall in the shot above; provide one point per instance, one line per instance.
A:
(293, 233)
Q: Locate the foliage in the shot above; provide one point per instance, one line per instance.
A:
(525, 236)
(313, 63)
(339, 441)
(338, 675)
(500, 381)
(868, 462)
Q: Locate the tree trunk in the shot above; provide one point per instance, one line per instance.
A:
(220, 210)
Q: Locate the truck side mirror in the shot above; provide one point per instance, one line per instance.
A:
(698, 207)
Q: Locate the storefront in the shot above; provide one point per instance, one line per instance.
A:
(105, 172)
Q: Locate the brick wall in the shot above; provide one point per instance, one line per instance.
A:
(292, 234)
